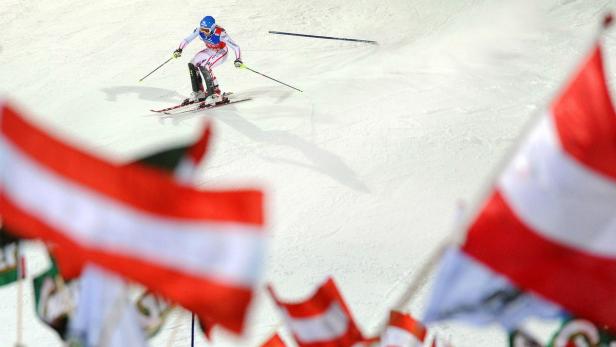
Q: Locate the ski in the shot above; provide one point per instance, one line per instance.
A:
(163, 110)
(203, 106)
(191, 103)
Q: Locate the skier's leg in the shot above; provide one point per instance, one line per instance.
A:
(206, 67)
(195, 78)
(209, 79)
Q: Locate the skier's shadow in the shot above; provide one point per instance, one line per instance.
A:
(144, 93)
(321, 160)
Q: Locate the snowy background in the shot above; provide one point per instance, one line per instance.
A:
(363, 170)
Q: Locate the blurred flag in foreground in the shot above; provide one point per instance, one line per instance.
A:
(185, 170)
(179, 161)
(581, 332)
(324, 320)
(403, 331)
(469, 291)
(200, 249)
(549, 223)
(55, 299)
(10, 256)
(104, 315)
(56, 296)
(518, 338)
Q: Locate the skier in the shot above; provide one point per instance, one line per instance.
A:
(216, 41)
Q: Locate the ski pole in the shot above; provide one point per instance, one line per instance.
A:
(243, 66)
(159, 66)
(323, 37)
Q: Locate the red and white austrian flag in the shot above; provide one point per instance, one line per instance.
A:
(324, 320)
(550, 224)
(200, 249)
(195, 154)
(403, 331)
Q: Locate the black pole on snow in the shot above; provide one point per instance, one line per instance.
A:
(323, 37)
(243, 66)
(159, 66)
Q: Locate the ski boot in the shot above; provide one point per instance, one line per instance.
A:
(194, 97)
(216, 97)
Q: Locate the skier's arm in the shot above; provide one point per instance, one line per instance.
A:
(189, 38)
(224, 37)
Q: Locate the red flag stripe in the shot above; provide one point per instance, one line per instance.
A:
(559, 198)
(586, 120)
(501, 240)
(317, 304)
(140, 187)
(274, 341)
(408, 323)
(207, 327)
(349, 339)
(225, 303)
(324, 320)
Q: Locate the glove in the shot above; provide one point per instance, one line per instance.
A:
(238, 63)
(177, 53)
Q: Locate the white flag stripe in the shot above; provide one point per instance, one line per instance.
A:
(328, 326)
(219, 251)
(397, 337)
(558, 197)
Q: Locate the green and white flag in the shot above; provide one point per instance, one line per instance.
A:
(55, 299)
(577, 332)
(152, 311)
(519, 338)
(9, 258)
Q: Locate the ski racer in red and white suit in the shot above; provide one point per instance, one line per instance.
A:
(217, 43)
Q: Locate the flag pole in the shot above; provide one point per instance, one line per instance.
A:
(418, 281)
(458, 236)
(192, 331)
(20, 290)
(422, 277)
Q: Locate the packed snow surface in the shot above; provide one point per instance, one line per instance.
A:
(363, 170)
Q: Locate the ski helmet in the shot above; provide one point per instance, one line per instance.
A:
(207, 24)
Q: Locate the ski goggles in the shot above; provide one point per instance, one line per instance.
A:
(204, 30)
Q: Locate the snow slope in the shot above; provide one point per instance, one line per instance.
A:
(363, 170)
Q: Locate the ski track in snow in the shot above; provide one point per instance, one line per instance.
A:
(363, 169)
